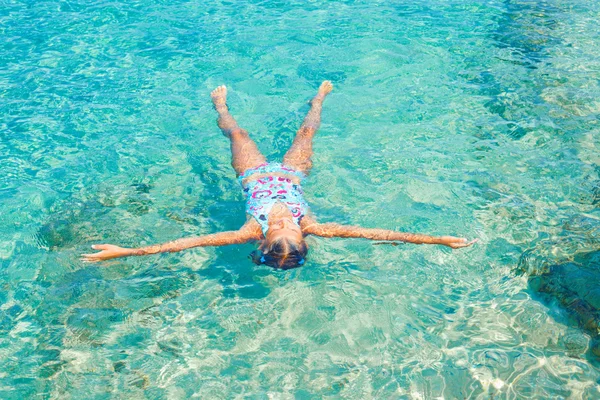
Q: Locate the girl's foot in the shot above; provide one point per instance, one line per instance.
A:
(324, 90)
(219, 97)
(225, 121)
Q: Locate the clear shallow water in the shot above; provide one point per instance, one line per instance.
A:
(446, 118)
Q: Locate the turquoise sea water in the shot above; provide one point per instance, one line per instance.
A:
(477, 119)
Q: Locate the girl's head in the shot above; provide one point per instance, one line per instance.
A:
(283, 248)
(281, 254)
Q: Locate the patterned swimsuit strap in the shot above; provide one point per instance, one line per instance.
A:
(271, 167)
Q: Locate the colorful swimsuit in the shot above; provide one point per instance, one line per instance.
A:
(262, 194)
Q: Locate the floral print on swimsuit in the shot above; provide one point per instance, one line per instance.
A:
(262, 194)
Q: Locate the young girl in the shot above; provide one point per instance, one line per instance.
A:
(278, 215)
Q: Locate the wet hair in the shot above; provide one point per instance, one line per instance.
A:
(281, 254)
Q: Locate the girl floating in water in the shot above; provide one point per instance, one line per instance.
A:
(278, 215)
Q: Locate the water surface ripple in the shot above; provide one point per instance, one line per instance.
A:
(448, 117)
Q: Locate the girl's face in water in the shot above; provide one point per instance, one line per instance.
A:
(284, 246)
(284, 228)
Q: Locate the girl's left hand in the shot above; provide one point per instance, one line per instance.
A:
(456, 242)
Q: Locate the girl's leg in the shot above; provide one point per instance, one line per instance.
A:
(244, 152)
(299, 154)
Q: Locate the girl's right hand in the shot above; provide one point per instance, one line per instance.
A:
(108, 251)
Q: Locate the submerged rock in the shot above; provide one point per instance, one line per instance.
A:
(574, 286)
(77, 221)
(64, 228)
(564, 269)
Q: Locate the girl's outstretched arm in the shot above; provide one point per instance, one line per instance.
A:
(250, 231)
(311, 227)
